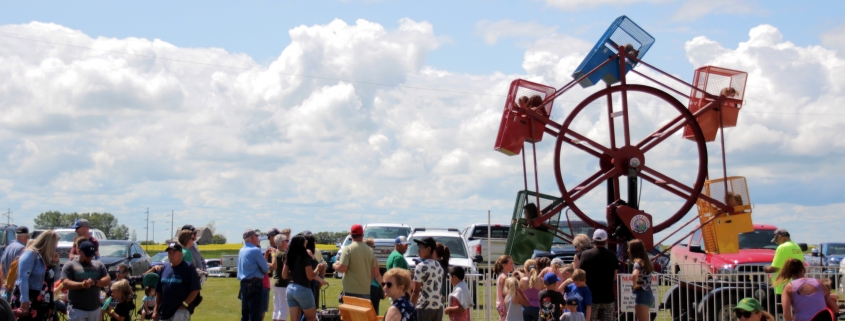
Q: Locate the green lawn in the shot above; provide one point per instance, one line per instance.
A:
(220, 300)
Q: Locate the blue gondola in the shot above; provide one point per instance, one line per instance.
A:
(622, 32)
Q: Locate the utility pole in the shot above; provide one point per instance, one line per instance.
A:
(8, 216)
(154, 231)
(171, 225)
(147, 243)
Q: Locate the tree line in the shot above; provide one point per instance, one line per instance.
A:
(105, 222)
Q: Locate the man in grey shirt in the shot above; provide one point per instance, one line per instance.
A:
(198, 260)
(13, 251)
(84, 279)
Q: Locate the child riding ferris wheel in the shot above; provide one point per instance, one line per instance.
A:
(623, 147)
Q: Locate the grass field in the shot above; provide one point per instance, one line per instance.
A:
(220, 301)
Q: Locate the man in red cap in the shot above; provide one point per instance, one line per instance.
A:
(358, 264)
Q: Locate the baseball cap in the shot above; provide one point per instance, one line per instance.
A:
(550, 278)
(401, 239)
(356, 229)
(174, 246)
(779, 232)
(81, 223)
(427, 242)
(273, 232)
(87, 248)
(249, 233)
(188, 227)
(22, 230)
(308, 233)
(600, 235)
(572, 301)
(749, 305)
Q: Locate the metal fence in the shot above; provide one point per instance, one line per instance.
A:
(695, 292)
(483, 292)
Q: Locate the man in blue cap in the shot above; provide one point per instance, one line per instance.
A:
(83, 228)
(12, 252)
(84, 279)
(251, 270)
(178, 287)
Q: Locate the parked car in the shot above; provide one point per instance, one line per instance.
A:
(213, 263)
(114, 252)
(66, 236)
(229, 265)
(477, 241)
(451, 238)
(159, 259)
(35, 233)
(329, 257)
(564, 249)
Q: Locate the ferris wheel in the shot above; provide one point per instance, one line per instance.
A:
(624, 149)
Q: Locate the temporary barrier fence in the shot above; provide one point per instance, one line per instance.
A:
(697, 292)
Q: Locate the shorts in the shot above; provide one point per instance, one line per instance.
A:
(77, 314)
(643, 297)
(603, 311)
(280, 303)
(300, 297)
(265, 299)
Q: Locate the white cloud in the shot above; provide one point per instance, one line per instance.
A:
(492, 31)
(692, 10)
(92, 130)
(835, 39)
(576, 5)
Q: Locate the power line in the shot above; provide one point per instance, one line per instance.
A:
(341, 79)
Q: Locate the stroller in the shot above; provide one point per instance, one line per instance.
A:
(145, 311)
(324, 314)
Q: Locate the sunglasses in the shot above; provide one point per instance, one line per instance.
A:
(742, 314)
(121, 272)
(387, 284)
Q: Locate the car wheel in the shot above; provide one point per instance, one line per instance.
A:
(725, 313)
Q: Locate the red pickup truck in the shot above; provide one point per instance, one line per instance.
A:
(692, 262)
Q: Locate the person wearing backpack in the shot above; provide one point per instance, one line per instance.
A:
(12, 252)
(37, 270)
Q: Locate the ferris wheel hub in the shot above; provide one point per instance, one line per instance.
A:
(628, 157)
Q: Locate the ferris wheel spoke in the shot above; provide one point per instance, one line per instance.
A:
(591, 183)
(581, 139)
(665, 132)
(665, 179)
(664, 185)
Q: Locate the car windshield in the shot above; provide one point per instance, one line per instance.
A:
(160, 257)
(113, 250)
(578, 227)
(2, 237)
(457, 248)
(759, 239)
(66, 236)
(264, 244)
(835, 249)
(386, 232)
(496, 231)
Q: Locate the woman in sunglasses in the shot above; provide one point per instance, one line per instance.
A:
(397, 286)
(750, 309)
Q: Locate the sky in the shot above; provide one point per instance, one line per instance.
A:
(318, 115)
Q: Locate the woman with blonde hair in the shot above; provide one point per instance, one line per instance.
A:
(531, 286)
(397, 286)
(581, 242)
(503, 266)
(37, 270)
(802, 296)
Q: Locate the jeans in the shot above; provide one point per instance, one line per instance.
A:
(180, 315)
(251, 299)
(82, 315)
(530, 313)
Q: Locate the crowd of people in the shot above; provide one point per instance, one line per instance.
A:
(292, 269)
(37, 289)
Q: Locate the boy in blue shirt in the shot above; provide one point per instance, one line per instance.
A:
(576, 288)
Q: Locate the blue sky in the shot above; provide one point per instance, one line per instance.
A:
(241, 151)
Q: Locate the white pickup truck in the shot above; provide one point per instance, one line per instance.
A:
(477, 241)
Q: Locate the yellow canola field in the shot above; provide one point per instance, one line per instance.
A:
(226, 247)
